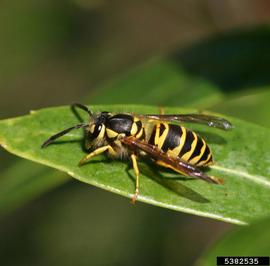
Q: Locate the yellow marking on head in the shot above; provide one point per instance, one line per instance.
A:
(177, 149)
(110, 133)
(134, 129)
(101, 133)
(198, 157)
(162, 138)
(92, 128)
(188, 154)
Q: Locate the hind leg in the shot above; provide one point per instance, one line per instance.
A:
(137, 173)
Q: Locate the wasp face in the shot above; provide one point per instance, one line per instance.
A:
(96, 131)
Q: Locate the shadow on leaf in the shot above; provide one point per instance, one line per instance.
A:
(153, 171)
(211, 137)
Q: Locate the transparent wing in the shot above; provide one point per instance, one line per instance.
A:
(209, 120)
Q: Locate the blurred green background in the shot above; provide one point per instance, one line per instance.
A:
(211, 55)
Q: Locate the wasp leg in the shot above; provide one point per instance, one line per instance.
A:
(137, 173)
(96, 152)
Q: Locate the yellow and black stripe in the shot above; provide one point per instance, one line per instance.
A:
(181, 142)
(124, 124)
(137, 129)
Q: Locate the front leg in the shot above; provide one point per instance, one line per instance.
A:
(97, 151)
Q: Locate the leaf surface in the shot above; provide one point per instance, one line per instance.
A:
(159, 80)
(251, 106)
(241, 155)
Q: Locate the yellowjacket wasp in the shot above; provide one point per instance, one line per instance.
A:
(125, 135)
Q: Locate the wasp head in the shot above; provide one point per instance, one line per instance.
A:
(95, 133)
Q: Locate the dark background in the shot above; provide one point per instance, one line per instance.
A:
(60, 52)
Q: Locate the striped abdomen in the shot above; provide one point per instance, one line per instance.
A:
(181, 142)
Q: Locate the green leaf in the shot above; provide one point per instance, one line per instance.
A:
(149, 79)
(242, 157)
(252, 106)
(253, 240)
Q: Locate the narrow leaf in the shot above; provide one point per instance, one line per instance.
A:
(242, 157)
(252, 105)
(140, 80)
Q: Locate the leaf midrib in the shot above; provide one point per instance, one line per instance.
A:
(254, 178)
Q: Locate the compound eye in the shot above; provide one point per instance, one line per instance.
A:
(101, 131)
(97, 130)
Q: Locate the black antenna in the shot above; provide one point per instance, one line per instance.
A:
(83, 107)
(52, 138)
(65, 131)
